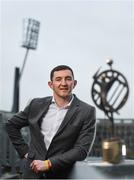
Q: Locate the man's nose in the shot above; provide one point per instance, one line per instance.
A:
(63, 82)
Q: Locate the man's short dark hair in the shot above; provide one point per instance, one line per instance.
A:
(59, 68)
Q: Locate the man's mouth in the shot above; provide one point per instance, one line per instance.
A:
(63, 89)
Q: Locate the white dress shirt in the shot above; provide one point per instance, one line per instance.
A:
(52, 121)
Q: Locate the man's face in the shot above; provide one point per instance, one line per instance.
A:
(62, 83)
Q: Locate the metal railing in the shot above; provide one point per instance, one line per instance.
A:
(124, 129)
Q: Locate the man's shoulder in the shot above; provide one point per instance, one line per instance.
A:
(84, 104)
(42, 99)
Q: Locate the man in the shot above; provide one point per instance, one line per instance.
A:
(62, 129)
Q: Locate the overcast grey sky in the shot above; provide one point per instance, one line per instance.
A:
(81, 34)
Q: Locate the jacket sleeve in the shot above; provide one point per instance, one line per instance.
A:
(13, 127)
(81, 147)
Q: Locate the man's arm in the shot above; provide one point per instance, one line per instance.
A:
(13, 127)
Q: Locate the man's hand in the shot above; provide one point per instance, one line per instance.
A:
(38, 165)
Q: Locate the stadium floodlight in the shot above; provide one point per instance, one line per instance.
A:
(30, 33)
(30, 37)
(29, 41)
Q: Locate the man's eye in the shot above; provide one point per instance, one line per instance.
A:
(69, 79)
(58, 79)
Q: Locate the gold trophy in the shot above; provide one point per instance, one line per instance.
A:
(110, 92)
(112, 150)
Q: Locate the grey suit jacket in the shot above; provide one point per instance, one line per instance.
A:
(70, 144)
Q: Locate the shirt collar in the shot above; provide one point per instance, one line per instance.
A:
(68, 105)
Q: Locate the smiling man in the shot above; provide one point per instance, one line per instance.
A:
(62, 129)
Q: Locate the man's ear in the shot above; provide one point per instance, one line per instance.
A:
(50, 84)
(75, 83)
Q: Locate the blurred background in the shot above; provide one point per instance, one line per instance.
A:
(81, 34)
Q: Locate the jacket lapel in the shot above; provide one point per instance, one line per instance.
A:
(40, 109)
(38, 112)
(73, 110)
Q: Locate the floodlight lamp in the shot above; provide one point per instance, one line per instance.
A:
(30, 33)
